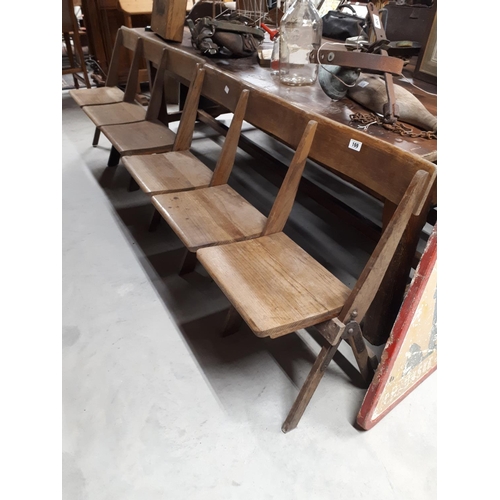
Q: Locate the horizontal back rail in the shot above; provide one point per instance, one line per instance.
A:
(381, 168)
(129, 38)
(125, 39)
(153, 52)
(182, 65)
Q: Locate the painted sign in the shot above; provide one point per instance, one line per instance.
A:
(410, 354)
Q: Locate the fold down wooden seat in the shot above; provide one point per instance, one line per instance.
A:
(276, 286)
(168, 172)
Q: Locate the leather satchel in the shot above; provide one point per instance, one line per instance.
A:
(228, 36)
(340, 25)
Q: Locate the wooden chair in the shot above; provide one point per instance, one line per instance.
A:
(151, 135)
(274, 285)
(71, 32)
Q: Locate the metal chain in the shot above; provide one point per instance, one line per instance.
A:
(367, 119)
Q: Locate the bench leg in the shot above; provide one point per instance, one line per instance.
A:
(312, 381)
(155, 220)
(365, 358)
(114, 157)
(188, 264)
(132, 185)
(232, 323)
(97, 134)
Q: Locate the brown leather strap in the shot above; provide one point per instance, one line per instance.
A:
(374, 63)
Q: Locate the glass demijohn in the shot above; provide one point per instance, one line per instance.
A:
(300, 32)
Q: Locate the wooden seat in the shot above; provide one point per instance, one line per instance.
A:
(150, 135)
(180, 170)
(210, 216)
(125, 42)
(116, 113)
(275, 286)
(168, 172)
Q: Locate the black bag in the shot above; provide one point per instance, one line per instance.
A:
(228, 36)
(340, 26)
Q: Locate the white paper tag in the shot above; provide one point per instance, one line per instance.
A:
(363, 84)
(356, 145)
(226, 89)
(376, 21)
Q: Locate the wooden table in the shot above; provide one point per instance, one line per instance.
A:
(313, 99)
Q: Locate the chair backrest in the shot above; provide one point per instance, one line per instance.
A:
(125, 44)
(190, 110)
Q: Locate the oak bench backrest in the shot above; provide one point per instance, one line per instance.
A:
(377, 167)
(125, 39)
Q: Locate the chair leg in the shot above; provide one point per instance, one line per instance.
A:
(155, 220)
(132, 185)
(313, 379)
(188, 264)
(114, 157)
(232, 323)
(97, 134)
(365, 358)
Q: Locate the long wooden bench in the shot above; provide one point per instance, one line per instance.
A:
(272, 283)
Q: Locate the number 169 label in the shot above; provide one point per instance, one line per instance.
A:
(356, 145)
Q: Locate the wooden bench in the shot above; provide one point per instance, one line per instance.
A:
(272, 283)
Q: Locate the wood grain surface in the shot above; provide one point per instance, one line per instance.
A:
(168, 172)
(274, 284)
(211, 216)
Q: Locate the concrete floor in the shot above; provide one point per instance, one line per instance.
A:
(156, 405)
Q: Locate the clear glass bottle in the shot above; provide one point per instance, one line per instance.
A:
(300, 32)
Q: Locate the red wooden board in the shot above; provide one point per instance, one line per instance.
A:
(410, 354)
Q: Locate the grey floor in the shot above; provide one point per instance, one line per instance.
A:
(156, 405)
